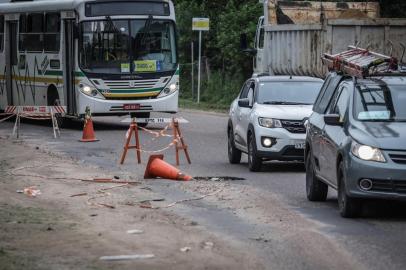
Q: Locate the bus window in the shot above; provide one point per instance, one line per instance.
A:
(52, 32)
(1, 33)
(31, 32)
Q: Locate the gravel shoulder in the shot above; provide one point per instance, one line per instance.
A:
(57, 231)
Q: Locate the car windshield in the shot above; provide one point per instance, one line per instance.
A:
(380, 103)
(128, 46)
(288, 93)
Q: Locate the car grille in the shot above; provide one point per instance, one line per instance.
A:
(398, 158)
(294, 126)
(389, 186)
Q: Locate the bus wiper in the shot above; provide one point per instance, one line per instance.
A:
(284, 103)
(112, 26)
(147, 27)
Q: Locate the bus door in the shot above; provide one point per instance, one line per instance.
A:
(11, 58)
(69, 65)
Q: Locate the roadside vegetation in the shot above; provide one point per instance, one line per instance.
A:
(224, 66)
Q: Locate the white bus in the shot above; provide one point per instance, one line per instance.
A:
(115, 56)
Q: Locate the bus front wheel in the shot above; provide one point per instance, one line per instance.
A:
(141, 115)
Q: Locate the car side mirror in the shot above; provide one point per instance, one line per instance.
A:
(333, 120)
(244, 103)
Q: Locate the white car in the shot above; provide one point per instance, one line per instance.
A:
(267, 119)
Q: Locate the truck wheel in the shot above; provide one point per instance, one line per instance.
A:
(234, 154)
(348, 207)
(316, 190)
(254, 162)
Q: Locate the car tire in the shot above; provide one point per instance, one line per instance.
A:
(348, 207)
(316, 190)
(254, 162)
(234, 154)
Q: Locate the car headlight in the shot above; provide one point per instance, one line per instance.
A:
(169, 89)
(366, 152)
(269, 122)
(90, 91)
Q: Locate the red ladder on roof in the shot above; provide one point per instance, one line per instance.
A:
(360, 62)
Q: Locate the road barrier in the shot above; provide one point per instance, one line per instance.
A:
(33, 113)
(177, 141)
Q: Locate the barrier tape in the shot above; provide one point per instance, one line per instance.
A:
(6, 118)
(160, 150)
(156, 133)
(36, 116)
(6, 113)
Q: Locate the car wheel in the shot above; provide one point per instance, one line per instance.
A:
(316, 190)
(254, 162)
(234, 155)
(348, 207)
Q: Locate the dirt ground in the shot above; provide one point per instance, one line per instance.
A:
(73, 223)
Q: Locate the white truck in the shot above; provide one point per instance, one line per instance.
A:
(292, 35)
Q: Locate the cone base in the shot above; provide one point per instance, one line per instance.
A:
(89, 140)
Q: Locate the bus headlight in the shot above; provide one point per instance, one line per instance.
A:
(169, 89)
(90, 91)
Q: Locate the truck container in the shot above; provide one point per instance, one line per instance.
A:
(292, 36)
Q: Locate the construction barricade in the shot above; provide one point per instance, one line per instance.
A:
(33, 113)
(177, 142)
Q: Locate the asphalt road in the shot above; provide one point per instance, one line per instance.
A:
(306, 235)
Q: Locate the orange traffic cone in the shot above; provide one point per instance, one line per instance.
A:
(158, 168)
(88, 131)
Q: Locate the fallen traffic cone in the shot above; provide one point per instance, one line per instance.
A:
(88, 131)
(158, 168)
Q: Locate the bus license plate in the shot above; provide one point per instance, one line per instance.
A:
(300, 145)
(131, 107)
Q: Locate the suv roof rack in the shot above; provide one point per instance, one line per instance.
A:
(363, 63)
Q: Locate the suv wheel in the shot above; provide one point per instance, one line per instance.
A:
(316, 190)
(254, 162)
(348, 207)
(234, 155)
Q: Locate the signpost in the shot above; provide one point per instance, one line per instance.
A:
(200, 24)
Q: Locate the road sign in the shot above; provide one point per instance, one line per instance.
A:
(201, 24)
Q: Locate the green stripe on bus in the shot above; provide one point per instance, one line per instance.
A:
(130, 91)
(60, 73)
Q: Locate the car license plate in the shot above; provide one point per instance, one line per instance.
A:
(300, 145)
(131, 107)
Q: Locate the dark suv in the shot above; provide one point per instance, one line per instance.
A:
(356, 141)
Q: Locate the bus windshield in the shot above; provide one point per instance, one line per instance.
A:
(128, 46)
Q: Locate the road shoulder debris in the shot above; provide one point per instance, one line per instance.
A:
(71, 224)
